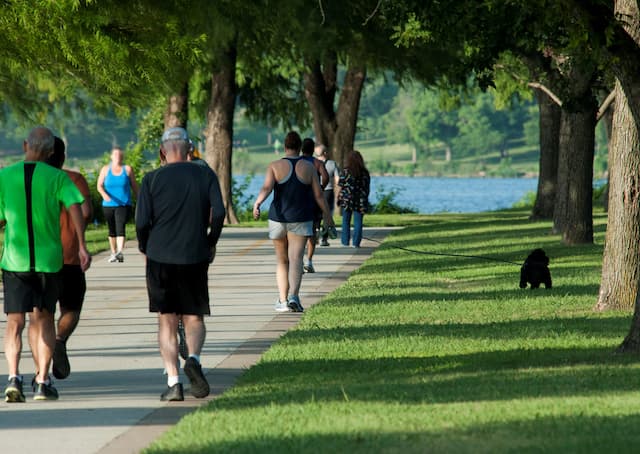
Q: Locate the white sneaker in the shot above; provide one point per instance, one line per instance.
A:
(281, 307)
(112, 258)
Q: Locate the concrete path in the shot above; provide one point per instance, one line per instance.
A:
(110, 402)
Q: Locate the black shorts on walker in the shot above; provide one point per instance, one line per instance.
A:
(178, 289)
(25, 290)
(74, 286)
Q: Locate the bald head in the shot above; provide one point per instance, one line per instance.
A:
(320, 151)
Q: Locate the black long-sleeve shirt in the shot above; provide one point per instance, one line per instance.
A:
(173, 211)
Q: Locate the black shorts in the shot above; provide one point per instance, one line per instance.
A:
(24, 291)
(178, 289)
(74, 286)
(116, 218)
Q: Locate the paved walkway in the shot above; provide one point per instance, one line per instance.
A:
(110, 402)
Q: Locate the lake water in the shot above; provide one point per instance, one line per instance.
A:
(437, 195)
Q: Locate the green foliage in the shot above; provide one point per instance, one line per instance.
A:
(380, 166)
(387, 204)
(241, 199)
(527, 202)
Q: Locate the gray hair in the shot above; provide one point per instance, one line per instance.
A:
(41, 140)
(182, 146)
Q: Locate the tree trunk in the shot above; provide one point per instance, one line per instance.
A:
(177, 111)
(607, 120)
(347, 115)
(578, 225)
(572, 215)
(334, 129)
(549, 145)
(320, 85)
(560, 207)
(627, 70)
(219, 129)
(621, 258)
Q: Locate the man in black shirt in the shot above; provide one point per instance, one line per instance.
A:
(176, 206)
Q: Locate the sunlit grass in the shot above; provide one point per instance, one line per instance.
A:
(425, 352)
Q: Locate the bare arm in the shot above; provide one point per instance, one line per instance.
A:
(324, 175)
(132, 180)
(78, 223)
(87, 206)
(322, 203)
(100, 185)
(86, 210)
(267, 187)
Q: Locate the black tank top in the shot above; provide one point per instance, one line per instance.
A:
(293, 200)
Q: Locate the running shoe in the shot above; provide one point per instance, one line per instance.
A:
(281, 307)
(13, 392)
(61, 366)
(120, 257)
(324, 242)
(46, 391)
(199, 384)
(308, 268)
(173, 393)
(182, 341)
(294, 304)
(112, 258)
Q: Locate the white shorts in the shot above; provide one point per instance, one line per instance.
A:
(278, 230)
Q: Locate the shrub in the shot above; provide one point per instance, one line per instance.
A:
(387, 204)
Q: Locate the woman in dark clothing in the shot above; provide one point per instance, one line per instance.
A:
(353, 197)
(297, 191)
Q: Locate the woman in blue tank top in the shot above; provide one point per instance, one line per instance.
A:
(297, 192)
(116, 183)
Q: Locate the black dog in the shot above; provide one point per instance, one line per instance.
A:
(535, 270)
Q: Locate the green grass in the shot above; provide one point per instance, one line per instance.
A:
(433, 353)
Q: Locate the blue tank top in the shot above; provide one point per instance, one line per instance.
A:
(118, 187)
(293, 201)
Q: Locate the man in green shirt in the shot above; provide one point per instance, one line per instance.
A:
(31, 194)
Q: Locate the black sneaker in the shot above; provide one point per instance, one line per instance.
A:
(199, 384)
(173, 393)
(182, 341)
(61, 366)
(45, 392)
(13, 391)
(293, 302)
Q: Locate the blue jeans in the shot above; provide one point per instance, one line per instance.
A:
(346, 227)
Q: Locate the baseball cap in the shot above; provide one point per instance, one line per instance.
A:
(176, 133)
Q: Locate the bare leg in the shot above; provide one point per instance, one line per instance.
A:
(311, 248)
(112, 244)
(44, 335)
(13, 341)
(67, 324)
(120, 243)
(296, 254)
(195, 331)
(282, 267)
(33, 344)
(168, 341)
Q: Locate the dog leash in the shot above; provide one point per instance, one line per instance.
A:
(482, 257)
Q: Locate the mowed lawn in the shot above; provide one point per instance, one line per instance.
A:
(419, 352)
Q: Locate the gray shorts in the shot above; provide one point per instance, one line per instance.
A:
(279, 230)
